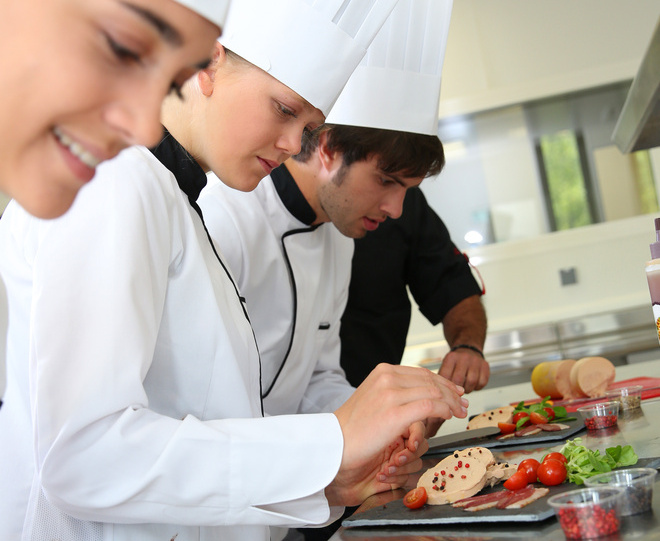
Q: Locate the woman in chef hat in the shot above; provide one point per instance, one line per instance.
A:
(81, 80)
(133, 406)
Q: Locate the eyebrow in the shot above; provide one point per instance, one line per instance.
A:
(166, 30)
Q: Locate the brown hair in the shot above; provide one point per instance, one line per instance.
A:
(404, 153)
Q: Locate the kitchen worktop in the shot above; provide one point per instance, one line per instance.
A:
(639, 430)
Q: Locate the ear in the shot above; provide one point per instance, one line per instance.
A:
(330, 159)
(206, 77)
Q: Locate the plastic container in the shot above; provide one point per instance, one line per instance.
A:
(629, 398)
(637, 484)
(588, 512)
(602, 415)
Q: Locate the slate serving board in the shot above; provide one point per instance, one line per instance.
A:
(491, 442)
(395, 513)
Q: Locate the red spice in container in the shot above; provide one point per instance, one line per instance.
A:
(598, 416)
(589, 512)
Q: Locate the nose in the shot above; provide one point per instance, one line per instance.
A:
(393, 202)
(290, 140)
(135, 116)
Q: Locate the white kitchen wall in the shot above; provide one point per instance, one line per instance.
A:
(512, 51)
(523, 286)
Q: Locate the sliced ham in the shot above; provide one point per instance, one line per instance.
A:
(528, 431)
(552, 427)
(503, 499)
(538, 493)
(515, 496)
(485, 501)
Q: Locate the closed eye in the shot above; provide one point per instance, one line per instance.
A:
(121, 52)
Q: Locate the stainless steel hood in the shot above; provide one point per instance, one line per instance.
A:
(638, 127)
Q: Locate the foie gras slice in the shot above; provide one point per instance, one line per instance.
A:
(452, 479)
(492, 417)
(481, 454)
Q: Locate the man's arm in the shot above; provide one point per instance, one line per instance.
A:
(465, 324)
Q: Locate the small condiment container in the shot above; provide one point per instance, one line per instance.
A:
(637, 484)
(588, 512)
(602, 415)
(629, 398)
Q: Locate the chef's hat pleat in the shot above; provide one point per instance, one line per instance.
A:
(397, 84)
(213, 10)
(312, 46)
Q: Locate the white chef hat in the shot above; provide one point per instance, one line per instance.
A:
(213, 10)
(397, 84)
(312, 46)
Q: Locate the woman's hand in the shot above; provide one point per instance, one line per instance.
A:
(381, 423)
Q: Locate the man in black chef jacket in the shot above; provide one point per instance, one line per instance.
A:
(412, 253)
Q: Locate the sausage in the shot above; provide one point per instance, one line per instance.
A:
(591, 376)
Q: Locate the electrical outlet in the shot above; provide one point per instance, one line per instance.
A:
(568, 276)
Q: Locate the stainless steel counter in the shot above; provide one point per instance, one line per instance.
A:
(513, 354)
(640, 430)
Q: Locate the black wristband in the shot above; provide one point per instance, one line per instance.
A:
(468, 346)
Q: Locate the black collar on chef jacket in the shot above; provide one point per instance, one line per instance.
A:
(291, 196)
(189, 175)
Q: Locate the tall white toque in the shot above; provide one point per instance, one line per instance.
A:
(397, 84)
(312, 46)
(213, 10)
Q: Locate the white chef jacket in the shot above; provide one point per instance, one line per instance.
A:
(295, 281)
(132, 409)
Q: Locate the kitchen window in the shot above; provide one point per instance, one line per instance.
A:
(533, 168)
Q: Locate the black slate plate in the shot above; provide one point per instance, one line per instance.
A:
(395, 512)
(492, 442)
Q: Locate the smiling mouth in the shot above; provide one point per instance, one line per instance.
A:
(76, 149)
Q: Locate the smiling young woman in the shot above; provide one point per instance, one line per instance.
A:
(82, 80)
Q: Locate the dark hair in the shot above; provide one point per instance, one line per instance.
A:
(404, 153)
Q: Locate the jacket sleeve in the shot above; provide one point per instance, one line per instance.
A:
(100, 282)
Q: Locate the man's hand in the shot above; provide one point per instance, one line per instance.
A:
(380, 423)
(465, 368)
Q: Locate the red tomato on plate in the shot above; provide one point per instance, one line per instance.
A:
(530, 467)
(517, 481)
(552, 472)
(520, 415)
(415, 498)
(549, 413)
(556, 456)
(537, 418)
(506, 428)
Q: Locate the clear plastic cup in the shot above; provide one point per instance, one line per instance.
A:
(637, 484)
(588, 512)
(629, 398)
(598, 416)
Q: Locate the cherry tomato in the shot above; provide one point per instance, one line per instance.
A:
(516, 481)
(537, 418)
(415, 498)
(506, 428)
(556, 456)
(549, 413)
(520, 415)
(552, 472)
(530, 467)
